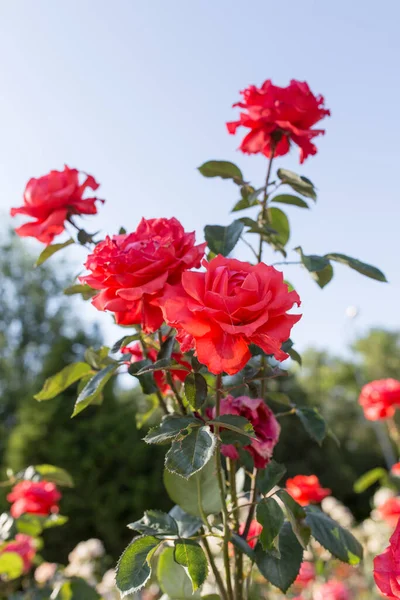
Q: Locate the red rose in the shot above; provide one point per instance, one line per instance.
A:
(306, 574)
(332, 590)
(306, 489)
(265, 425)
(277, 116)
(380, 399)
(387, 567)
(24, 546)
(132, 270)
(254, 532)
(136, 352)
(53, 198)
(389, 510)
(35, 497)
(395, 469)
(232, 304)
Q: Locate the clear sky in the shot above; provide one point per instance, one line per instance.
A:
(137, 93)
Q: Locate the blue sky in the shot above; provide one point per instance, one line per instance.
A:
(138, 93)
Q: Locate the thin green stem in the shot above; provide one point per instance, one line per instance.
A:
(265, 200)
(175, 391)
(253, 503)
(220, 477)
(236, 525)
(159, 395)
(214, 568)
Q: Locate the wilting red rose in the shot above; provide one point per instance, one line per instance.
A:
(254, 532)
(395, 469)
(35, 497)
(131, 270)
(265, 425)
(23, 545)
(380, 399)
(51, 199)
(389, 510)
(278, 116)
(306, 574)
(332, 590)
(136, 352)
(306, 489)
(232, 304)
(387, 567)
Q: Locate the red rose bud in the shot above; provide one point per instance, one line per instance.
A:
(254, 532)
(51, 200)
(389, 510)
(34, 497)
(380, 399)
(277, 117)
(178, 375)
(23, 545)
(265, 425)
(387, 567)
(132, 270)
(231, 305)
(306, 489)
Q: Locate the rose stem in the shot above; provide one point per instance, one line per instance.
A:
(214, 568)
(238, 553)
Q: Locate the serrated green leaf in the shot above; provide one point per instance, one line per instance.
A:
(289, 199)
(56, 384)
(173, 579)
(50, 250)
(188, 525)
(282, 571)
(146, 380)
(190, 454)
(269, 514)
(195, 390)
(133, 569)
(296, 515)
(369, 478)
(156, 522)
(298, 183)
(222, 240)
(358, 265)
(269, 477)
(198, 494)
(94, 388)
(313, 422)
(170, 427)
(333, 537)
(235, 423)
(223, 169)
(190, 555)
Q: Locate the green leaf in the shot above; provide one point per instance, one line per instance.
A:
(56, 384)
(54, 520)
(170, 427)
(173, 579)
(189, 455)
(313, 422)
(269, 514)
(289, 199)
(312, 262)
(133, 569)
(166, 349)
(222, 240)
(340, 542)
(98, 359)
(242, 545)
(270, 476)
(195, 390)
(81, 288)
(190, 555)
(93, 388)
(30, 524)
(76, 589)
(248, 199)
(357, 265)
(198, 494)
(296, 515)
(223, 169)
(188, 525)
(156, 522)
(146, 380)
(50, 250)
(235, 423)
(294, 355)
(323, 277)
(124, 341)
(282, 571)
(54, 474)
(279, 221)
(255, 227)
(11, 565)
(298, 183)
(369, 478)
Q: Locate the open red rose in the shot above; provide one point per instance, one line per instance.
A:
(51, 199)
(131, 270)
(265, 425)
(278, 116)
(389, 510)
(306, 489)
(387, 567)
(231, 305)
(254, 532)
(136, 353)
(23, 545)
(35, 497)
(380, 398)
